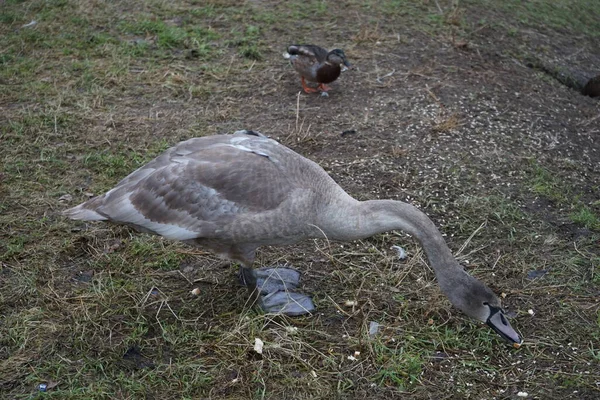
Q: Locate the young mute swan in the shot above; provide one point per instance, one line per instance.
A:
(234, 193)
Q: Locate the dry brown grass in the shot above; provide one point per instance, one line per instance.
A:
(447, 124)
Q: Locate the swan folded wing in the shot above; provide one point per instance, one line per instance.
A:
(248, 176)
(193, 195)
(192, 149)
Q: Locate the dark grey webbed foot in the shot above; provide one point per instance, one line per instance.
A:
(275, 287)
(285, 302)
(270, 280)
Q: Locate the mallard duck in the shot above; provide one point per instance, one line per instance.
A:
(234, 193)
(315, 64)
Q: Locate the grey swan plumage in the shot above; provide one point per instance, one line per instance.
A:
(234, 193)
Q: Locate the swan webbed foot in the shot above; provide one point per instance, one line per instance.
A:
(270, 280)
(286, 302)
(275, 290)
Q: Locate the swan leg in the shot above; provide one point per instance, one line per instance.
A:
(275, 290)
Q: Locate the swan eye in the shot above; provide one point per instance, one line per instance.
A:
(485, 303)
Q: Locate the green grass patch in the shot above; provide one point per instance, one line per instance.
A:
(547, 184)
(585, 216)
(553, 187)
(155, 255)
(248, 42)
(577, 16)
(113, 165)
(166, 35)
(399, 365)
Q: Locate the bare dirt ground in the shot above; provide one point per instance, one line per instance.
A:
(445, 112)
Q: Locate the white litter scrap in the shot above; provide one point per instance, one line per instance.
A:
(291, 330)
(355, 356)
(196, 291)
(258, 345)
(373, 328)
(530, 312)
(400, 252)
(522, 394)
(350, 303)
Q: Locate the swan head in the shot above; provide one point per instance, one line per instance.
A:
(477, 301)
(498, 322)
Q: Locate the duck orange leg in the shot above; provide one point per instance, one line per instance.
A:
(323, 87)
(306, 88)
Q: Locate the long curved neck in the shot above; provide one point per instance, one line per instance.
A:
(367, 218)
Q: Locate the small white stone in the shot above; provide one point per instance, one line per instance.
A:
(530, 312)
(258, 345)
(195, 291)
(350, 303)
(522, 394)
(65, 198)
(313, 373)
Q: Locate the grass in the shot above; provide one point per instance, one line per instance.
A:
(578, 17)
(550, 186)
(586, 217)
(93, 90)
(248, 42)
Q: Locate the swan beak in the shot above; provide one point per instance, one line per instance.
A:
(498, 322)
